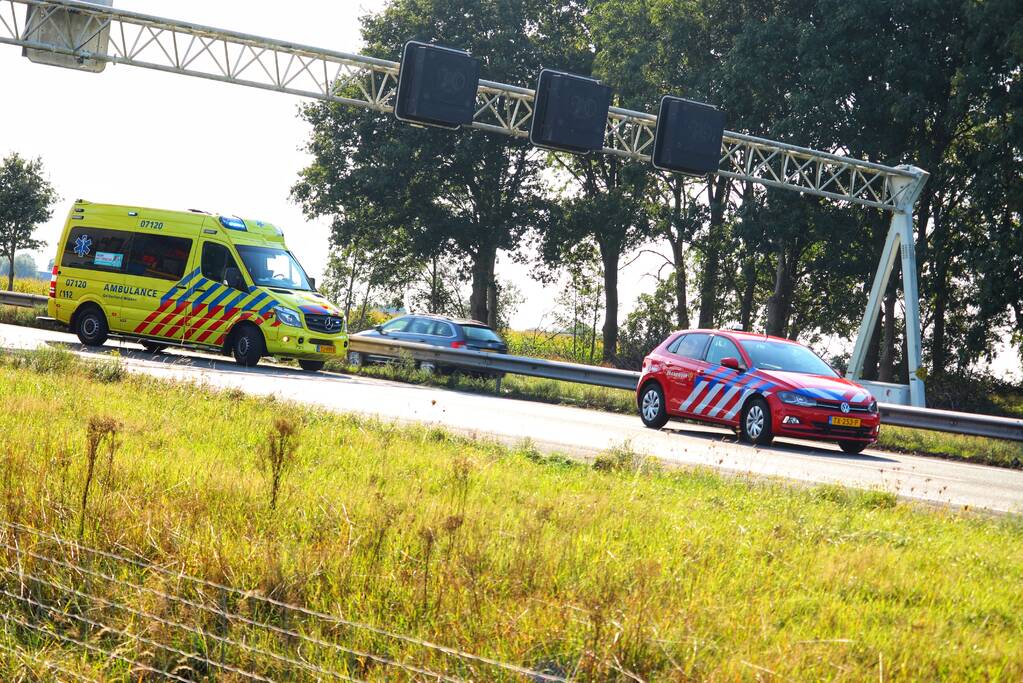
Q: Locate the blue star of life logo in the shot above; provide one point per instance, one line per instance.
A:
(83, 245)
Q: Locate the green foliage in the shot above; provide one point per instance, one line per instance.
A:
(606, 208)
(648, 325)
(24, 267)
(26, 198)
(930, 83)
(462, 196)
(554, 345)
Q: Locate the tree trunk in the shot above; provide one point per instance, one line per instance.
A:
(482, 283)
(886, 364)
(779, 304)
(350, 295)
(939, 350)
(718, 199)
(365, 305)
(609, 257)
(593, 329)
(492, 311)
(749, 283)
(681, 307)
(10, 273)
(678, 255)
(483, 264)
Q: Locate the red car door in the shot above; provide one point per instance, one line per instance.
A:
(721, 384)
(683, 363)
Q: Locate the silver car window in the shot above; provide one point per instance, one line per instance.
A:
(397, 325)
(419, 326)
(441, 329)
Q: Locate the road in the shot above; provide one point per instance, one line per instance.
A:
(573, 431)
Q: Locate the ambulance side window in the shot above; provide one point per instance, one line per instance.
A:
(158, 256)
(216, 259)
(96, 249)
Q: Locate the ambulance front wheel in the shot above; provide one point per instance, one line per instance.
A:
(91, 326)
(247, 346)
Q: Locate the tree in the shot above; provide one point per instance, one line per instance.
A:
(24, 266)
(368, 275)
(461, 196)
(648, 324)
(581, 300)
(609, 210)
(26, 200)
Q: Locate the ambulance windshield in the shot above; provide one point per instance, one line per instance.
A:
(269, 267)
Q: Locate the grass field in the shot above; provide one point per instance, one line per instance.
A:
(29, 285)
(969, 448)
(16, 315)
(593, 571)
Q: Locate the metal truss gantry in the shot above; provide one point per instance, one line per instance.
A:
(88, 36)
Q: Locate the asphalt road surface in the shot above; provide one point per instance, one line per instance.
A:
(573, 431)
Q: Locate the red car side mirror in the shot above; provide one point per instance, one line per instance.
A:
(732, 363)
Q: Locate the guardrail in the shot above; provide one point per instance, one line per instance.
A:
(498, 362)
(971, 424)
(900, 416)
(23, 300)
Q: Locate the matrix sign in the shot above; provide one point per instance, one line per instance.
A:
(437, 86)
(688, 137)
(570, 112)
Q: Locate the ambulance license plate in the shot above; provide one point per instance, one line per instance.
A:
(844, 421)
(330, 349)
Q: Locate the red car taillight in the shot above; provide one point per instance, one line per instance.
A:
(458, 344)
(53, 282)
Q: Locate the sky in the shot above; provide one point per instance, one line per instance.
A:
(140, 137)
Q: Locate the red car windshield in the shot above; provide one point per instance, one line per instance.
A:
(767, 354)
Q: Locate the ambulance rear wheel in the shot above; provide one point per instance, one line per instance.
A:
(91, 326)
(311, 365)
(247, 346)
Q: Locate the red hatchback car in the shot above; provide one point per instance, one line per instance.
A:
(761, 386)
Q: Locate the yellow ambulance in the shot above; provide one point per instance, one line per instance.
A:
(190, 279)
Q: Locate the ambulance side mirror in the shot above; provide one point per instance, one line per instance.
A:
(233, 278)
(312, 283)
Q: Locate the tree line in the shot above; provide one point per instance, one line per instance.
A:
(935, 83)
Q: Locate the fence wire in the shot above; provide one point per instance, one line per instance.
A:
(52, 596)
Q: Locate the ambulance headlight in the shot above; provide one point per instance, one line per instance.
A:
(288, 316)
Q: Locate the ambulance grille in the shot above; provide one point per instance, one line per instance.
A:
(327, 324)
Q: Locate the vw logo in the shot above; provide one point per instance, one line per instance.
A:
(845, 407)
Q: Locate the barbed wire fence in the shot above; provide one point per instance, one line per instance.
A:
(78, 613)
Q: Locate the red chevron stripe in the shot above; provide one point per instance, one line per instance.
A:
(213, 328)
(184, 320)
(152, 316)
(210, 314)
(168, 318)
(244, 316)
